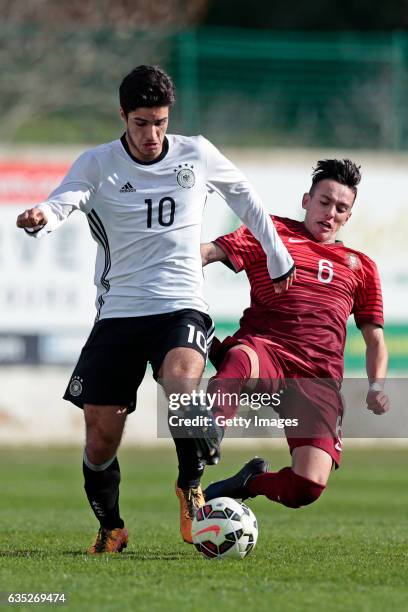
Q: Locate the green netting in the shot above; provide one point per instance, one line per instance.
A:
(237, 86)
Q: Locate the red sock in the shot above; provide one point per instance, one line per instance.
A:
(286, 487)
(234, 371)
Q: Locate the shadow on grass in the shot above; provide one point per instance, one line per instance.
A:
(23, 553)
(137, 555)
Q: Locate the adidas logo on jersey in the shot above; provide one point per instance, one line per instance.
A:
(127, 188)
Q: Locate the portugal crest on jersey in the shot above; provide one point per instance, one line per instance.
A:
(353, 261)
(185, 176)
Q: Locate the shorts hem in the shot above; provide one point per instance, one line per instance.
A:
(131, 406)
(317, 443)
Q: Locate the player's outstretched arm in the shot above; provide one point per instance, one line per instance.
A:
(239, 195)
(32, 218)
(75, 192)
(211, 252)
(376, 365)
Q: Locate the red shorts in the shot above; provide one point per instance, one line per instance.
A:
(315, 403)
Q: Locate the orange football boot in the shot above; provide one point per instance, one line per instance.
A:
(109, 541)
(190, 501)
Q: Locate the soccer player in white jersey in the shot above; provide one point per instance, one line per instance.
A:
(143, 196)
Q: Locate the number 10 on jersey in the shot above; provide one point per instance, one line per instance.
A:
(165, 212)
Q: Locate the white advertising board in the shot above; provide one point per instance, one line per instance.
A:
(47, 284)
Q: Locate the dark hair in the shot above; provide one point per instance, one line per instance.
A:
(343, 171)
(146, 86)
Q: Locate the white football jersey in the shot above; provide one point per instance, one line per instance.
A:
(146, 219)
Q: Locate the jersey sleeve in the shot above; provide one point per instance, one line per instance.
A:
(241, 248)
(235, 189)
(74, 193)
(368, 303)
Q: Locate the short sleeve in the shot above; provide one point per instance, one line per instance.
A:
(241, 247)
(368, 303)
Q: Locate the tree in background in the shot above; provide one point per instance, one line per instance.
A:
(127, 14)
(68, 57)
(61, 62)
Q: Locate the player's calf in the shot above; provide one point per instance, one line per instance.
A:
(102, 490)
(194, 426)
(286, 487)
(234, 371)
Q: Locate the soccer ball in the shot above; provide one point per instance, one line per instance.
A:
(224, 528)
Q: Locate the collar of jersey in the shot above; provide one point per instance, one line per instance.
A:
(162, 155)
(310, 236)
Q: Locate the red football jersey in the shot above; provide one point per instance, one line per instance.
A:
(307, 324)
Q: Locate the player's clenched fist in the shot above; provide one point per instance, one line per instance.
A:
(31, 218)
(378, 402)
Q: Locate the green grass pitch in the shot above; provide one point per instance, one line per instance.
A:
(349, 551)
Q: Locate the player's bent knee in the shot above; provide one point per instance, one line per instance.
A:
(182, 363)
(101, 449)
(313, 463)
(98, 456)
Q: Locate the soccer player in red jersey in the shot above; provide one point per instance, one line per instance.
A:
(301, 335)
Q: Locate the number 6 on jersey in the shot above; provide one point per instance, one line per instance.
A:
(326, 272)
